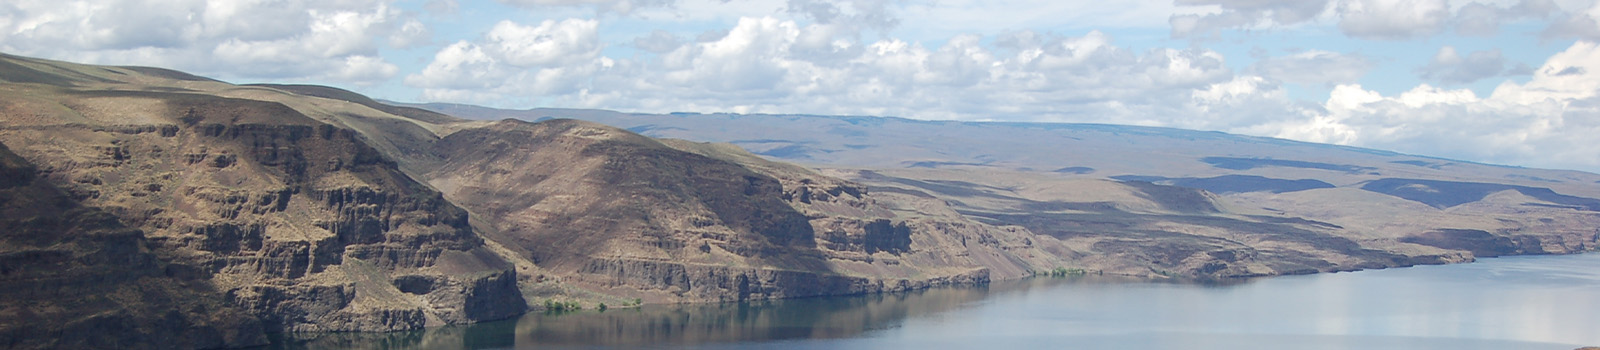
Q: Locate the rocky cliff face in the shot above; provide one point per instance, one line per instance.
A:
(74, 277)
(296, 222)
(294, 209)
(894, 234)
(610, 210)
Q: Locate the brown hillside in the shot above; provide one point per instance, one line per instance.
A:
(297, 221)
(73, 277)
(623, 213)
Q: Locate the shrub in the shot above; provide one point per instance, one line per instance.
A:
(1066, 272)
(553, 306)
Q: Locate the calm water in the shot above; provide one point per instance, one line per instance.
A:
(1550, 302)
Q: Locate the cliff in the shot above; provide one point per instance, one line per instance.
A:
(611, 211)
(75, 277)
(284, 223)
(290, 208)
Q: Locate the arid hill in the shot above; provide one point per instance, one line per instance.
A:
(1160, 201)
(611, 211)
(251, 209)
(282, 212)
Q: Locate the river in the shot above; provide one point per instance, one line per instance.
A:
(1537, 302)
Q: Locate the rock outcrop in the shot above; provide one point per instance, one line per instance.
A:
(294, 223)
(295, 209)
(612, 211)
(74, 277)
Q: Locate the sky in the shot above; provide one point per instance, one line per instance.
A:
(1498, 81)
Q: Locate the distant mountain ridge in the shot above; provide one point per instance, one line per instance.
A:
(803, 146)
(488, 113)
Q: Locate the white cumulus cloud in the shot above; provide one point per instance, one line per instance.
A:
(552, 57)
(1548, 121)
(549, 44)
(1393, 19)
(771, 65)
(250, 39)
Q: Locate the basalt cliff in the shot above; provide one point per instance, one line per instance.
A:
(151, 208)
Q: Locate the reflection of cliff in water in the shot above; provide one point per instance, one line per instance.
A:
(809, 318)
(479, 336)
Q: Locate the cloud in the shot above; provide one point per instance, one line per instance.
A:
(869, 14)
(411, 34)
(1566, 76)
(1314, 67)
(1392, 19)
(1243, 14)
(1374, 19)
(659, 41)
(1548, 121)
(553, 57)
(549, 44)
(1582, 25)
(765, 64)
(442, 7)
(1479, 19)
(1448, 67)
(98, 25)
(288, 40)
(617, 6)
(365, 70)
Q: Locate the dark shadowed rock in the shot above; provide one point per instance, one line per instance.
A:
(73, 277)
(1446, 194)
(1227, 184)
(1480, 243)
(1235, 163)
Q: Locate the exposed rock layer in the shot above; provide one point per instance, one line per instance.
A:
(73, 277)
(610, 210)
(289, 222)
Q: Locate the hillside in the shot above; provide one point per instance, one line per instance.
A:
(257, 209)
(1116, 194)
(616, 212)
(280, 210)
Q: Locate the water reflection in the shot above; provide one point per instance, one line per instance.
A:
(1548, 303)
(493, 335)
(811, 318)
(658, 325)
